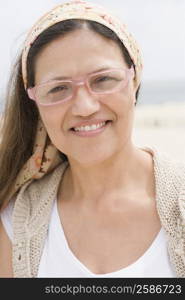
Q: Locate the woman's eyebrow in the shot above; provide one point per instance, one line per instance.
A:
(70, 77)
(60, 78)
(104, 68)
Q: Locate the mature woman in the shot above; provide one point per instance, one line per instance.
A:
(78, 198)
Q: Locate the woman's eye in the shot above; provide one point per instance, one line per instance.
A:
(60, 88)
(104, 78)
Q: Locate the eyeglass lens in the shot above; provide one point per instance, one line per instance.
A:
(106, 82)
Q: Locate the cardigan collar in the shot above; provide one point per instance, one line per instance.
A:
(34, 203)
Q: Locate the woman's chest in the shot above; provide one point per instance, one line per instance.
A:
(108, 242)
(99, 255)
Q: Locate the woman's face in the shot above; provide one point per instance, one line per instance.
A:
(77, 54)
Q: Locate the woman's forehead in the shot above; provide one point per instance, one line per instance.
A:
(76, 53)
(80, 40)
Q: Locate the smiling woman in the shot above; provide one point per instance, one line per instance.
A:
(100, 103)
(81, 199)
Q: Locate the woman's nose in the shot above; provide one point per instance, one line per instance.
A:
(84, 103)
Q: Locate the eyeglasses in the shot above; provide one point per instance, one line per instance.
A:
(99, 83)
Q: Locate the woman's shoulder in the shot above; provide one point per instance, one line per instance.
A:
(166, 164)
(42, 187)
(169, 173)
(34, 199)
(172, 165)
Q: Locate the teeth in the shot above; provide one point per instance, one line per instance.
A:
(89, 128)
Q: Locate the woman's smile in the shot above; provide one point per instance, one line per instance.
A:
(91, 130)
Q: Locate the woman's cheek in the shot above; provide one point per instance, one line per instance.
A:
(49, 116)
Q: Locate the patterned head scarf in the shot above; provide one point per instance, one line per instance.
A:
(45, 155)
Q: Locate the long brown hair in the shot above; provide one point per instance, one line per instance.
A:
(20, 115)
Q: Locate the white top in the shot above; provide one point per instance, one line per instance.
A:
(58, 260)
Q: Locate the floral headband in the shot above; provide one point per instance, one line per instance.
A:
(78, 9)
(45, 155)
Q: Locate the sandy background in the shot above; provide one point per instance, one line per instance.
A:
(161, 126)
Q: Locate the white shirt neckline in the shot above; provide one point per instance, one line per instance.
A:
(137, 265)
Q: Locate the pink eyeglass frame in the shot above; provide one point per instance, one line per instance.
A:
(80, 82)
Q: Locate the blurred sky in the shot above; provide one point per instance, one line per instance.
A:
(157, 25)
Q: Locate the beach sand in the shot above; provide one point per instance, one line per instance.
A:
(163, 127)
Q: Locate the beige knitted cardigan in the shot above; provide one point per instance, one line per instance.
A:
(34, 203)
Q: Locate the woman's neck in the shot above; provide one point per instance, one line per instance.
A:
(126, 172)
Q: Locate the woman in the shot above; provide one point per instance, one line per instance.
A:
(78, 198)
